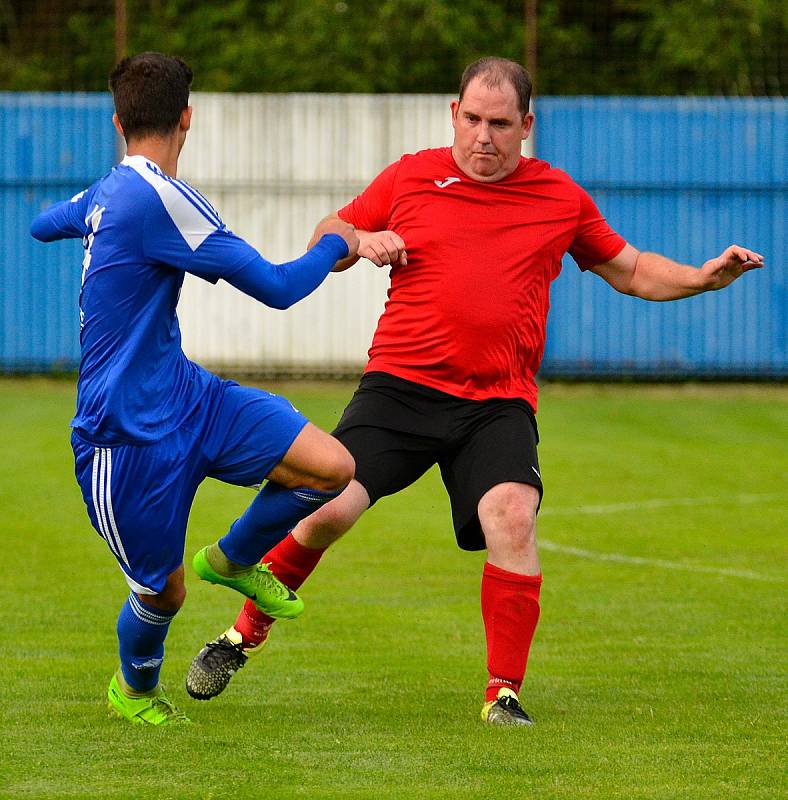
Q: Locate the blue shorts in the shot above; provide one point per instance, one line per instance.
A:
(138, 497)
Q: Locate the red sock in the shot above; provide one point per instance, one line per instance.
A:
(292, 563)
(510, 609)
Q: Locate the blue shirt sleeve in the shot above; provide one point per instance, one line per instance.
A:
(282, 285)
(64, 220)
(189, 235)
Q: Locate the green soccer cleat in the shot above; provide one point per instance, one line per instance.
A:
(259, 584)
(505, 710)
(211, 669)
(153, 709)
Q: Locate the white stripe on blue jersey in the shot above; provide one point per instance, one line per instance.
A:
(193, 222)
(199, 198)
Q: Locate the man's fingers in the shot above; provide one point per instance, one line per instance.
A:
(374, 255)
(746, 255)
(380, 255)
(748, 265)
(383, 249)
(394, 246)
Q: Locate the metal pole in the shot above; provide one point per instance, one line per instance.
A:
(121, 29)
(530, 37)
(530, 15)
(121, 25)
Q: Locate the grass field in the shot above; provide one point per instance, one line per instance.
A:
(658, 670)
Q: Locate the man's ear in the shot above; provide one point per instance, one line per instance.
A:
(118, 126)
(455, 104)
(528, 124)
(186, 119)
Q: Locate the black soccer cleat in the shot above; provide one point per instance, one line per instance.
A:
(211, 669)
(505, 710)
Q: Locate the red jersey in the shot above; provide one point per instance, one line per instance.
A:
(468, 313)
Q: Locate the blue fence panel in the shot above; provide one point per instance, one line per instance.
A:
(51, 147)
(684, 177)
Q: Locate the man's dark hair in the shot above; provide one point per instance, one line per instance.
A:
(150, 91)
(494, 72)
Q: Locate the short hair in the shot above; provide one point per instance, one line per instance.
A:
(494, 71)
(150, 90)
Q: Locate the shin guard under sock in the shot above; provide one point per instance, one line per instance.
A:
(273, 513)
(142, 630)
(510, 609)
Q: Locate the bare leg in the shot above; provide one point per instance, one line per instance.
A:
(508, 517)
(172, 597)
(292, 561)
(315, 469)
(296, 556)
(321, 529)
(511, 584)
(315, 459)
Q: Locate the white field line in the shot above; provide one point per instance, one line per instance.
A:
(546, 544)
(665, 502)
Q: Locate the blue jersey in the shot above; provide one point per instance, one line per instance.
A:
(142, 231)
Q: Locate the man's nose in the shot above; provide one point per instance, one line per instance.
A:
(483, 133)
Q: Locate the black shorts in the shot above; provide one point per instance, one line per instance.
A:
(396, 430)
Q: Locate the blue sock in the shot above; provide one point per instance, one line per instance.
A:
(270, 516)
(141, 633)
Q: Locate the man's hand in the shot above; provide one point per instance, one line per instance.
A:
(717, 273)
(655, 277)
(382, 248)
(341, 228)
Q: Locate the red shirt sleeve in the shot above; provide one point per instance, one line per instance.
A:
(595, 241)
(371, 210)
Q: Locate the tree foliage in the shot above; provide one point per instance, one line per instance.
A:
(585, 46)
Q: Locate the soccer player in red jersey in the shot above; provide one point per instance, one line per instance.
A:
(474, 235)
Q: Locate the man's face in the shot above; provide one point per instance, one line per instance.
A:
(488, 130)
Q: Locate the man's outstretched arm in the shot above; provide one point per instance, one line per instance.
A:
(382, 248)
(651, 276)
(282, 285)
(64, 220)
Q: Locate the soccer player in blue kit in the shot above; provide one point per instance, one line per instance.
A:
(150, 424)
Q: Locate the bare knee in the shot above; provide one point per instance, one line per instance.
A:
(514, 530)
(337, 471)
(508, 517)
(172, 597)
(315, 460)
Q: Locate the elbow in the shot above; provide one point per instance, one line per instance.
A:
(642, 293)
(38, 231)
(280, 301)
(652, 294)
(43, 230)
(279, 305)
(631, 291)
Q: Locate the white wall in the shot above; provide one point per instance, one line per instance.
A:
(273, 165)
